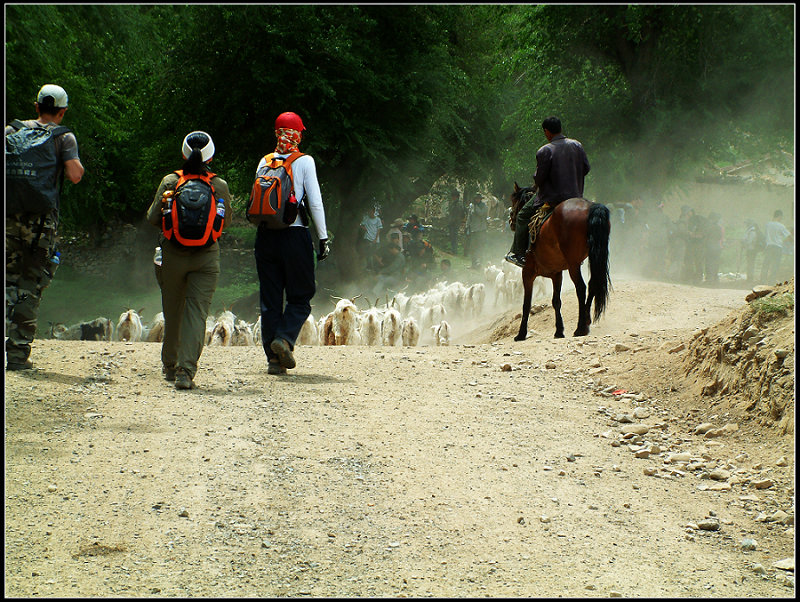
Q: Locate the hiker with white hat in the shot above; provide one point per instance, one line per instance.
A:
(191, 208)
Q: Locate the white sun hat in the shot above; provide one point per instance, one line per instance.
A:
(207, 150)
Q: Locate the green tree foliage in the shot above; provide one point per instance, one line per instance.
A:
(396, 96)
(99, 54)
(679, 85)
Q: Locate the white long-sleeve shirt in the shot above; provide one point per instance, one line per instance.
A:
(304, 176)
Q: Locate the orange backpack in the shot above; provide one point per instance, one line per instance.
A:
(272, 200)
(193, 216)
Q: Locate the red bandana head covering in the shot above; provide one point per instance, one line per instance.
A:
(288, 140)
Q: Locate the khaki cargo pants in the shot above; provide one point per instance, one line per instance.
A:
(188, 279)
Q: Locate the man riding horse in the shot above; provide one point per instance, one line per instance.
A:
(561, 166)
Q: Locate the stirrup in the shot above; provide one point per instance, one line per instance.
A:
(515, 259)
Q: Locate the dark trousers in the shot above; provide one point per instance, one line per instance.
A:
(522, 236)
(772, 263)
(452, 229)
(285, 264)
(476, 247)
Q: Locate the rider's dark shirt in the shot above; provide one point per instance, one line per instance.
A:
(561, 166)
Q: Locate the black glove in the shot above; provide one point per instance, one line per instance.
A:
(324, 249)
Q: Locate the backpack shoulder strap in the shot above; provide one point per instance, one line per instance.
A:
(182, 177)
(207, 179)
(293, 157)
(60, 130)
(18, 124)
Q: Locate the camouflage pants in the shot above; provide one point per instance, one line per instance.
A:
(28, 272)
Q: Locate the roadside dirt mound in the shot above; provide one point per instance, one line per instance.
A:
(503, 328)
(745, 364)
(742, 365)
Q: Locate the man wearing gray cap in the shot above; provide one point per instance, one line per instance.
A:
(39, 154)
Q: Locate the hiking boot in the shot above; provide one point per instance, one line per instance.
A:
(284, 353)
(182, 380)
(169, 373)
(275, 367)
(26, 365)
(517, 260)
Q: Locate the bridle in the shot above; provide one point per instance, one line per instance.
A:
(525, 194)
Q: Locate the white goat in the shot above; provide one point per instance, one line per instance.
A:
(210, 322)
(345, 323)
(155, 330)
(129, 326)
(66, 333)
(491, 272)
(222, 332)
(473, 300)
(410, 332)
(500, 291)
(371, 327)
(453, 297)
(242, 334)
(391, 325)
(431, 315)
(99, 329)
(308, 332)
(441, 333)
(256, 327)
(400, 302)
(325, 327)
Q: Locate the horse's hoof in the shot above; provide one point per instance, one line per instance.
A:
(520, 337)
(559, 335)
(581, 333)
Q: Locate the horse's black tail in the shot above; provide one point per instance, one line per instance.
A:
(600, 281)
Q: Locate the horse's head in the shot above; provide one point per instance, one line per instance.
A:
(519, 197)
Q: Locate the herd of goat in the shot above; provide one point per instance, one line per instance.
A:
(404, 320)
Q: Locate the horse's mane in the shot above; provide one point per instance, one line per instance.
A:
(524, 194)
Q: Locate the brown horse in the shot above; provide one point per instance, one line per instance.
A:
(577, 229)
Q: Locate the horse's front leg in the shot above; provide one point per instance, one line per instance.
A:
(528, 276)
(583, 308)
(557, 304)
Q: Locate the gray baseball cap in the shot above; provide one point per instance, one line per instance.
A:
(57, 93)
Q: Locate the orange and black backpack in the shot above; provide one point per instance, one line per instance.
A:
(272, 200)
(193, 216)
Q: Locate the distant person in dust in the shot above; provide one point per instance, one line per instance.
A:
(776, 235)
(752, 245)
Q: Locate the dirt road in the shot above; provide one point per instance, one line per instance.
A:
(486, 468)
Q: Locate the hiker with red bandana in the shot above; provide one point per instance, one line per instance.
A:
(285, 257)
